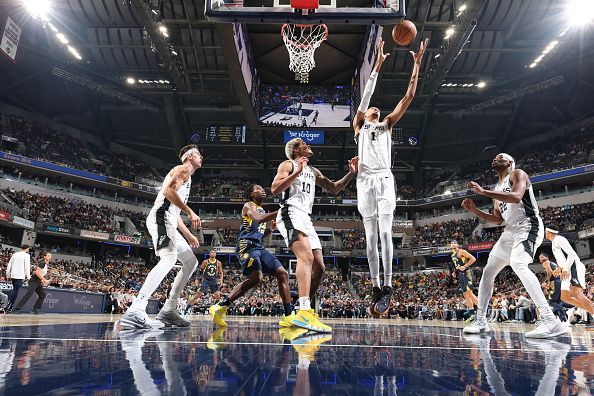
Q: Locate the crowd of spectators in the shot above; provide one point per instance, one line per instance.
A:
(425, 295)
(352, 239)
(227, 236)
(71, 212)
(41, 142)
(221, 187)
(565, 218)
(437, 234)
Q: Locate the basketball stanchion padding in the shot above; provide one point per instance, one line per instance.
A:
(305, 4)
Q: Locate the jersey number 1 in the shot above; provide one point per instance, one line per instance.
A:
(372, 135)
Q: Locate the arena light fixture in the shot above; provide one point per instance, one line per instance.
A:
(74, 52)
(38, 9)
(580, 12)
(54, 29)
(449, 33)
(62, 38)
(462, 8)
(131, 80)
(481, 84)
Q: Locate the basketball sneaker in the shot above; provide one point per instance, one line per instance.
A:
(478, 326)
(548, 328)
(218, 313)
(286, 320)
(308, 345)
(172, 318)
(290, 333)
(383, 304)
(376, 294)
(308, 319)
(137, 319)
(216, 339)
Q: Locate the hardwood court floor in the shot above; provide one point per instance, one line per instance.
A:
(86, 354)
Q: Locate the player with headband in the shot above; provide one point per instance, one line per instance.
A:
(172, 241)
(514, 204)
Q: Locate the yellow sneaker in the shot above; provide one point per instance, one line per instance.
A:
(286, 320)
(218, 313)
(309, 320)
(215, 341)
(290, 333)
(307, 346)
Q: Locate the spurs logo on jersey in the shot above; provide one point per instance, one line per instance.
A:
(515, 213)
(374, 146)
(302, 190)
(162, 204)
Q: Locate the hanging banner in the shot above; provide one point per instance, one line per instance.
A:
(58, 229)
(127, 239)
(4, 216)
(23, 222)
(10, 39)
(94, 235)
(479, 246)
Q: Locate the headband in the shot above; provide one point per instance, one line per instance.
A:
(551, 230)
(510, 159)
(188, 153)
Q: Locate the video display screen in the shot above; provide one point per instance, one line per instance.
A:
(304, 106)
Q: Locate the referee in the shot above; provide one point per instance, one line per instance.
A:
(36, 285)
(18, 270)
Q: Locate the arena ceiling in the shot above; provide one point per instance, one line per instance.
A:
(117, 39)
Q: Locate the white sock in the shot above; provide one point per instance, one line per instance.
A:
(189, 263)
(385, 231)
(304, 303)
(152, 281)
(370, 224)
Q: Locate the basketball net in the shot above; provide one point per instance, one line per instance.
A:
(301, 42)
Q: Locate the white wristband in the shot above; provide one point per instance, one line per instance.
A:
(369, 88)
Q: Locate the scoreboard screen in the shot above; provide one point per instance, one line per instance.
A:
(214, 134)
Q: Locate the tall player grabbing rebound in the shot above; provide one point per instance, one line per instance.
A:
(164, 225)
(514, 204)
(376, 195)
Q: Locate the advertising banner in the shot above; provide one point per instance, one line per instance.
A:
(94, 235)
(10, 39)
(309, 137)
(479, 246)
(23, 222)
(127, 239)
(58, 229)
(4, 216)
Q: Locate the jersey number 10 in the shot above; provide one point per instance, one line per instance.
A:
(306, 187)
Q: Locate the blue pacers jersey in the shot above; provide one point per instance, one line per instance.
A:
(251, 232)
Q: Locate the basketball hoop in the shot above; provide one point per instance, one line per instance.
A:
(301, 42)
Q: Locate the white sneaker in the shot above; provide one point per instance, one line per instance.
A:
(479, 325)
(570, 312)
(547, 328)
(137, 319)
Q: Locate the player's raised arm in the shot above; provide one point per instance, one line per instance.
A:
(339, 185)
(405, 102)
(519, 180)
(369, 88)
(284, 177)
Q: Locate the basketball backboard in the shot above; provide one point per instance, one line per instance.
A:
(357, 12)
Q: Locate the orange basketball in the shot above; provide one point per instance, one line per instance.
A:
(404, 33)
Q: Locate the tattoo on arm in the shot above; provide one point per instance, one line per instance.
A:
(329, 185)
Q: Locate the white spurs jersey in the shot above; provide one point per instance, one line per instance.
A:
(300, 193)
(516, 213)
(374, 146)
(163, 205)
